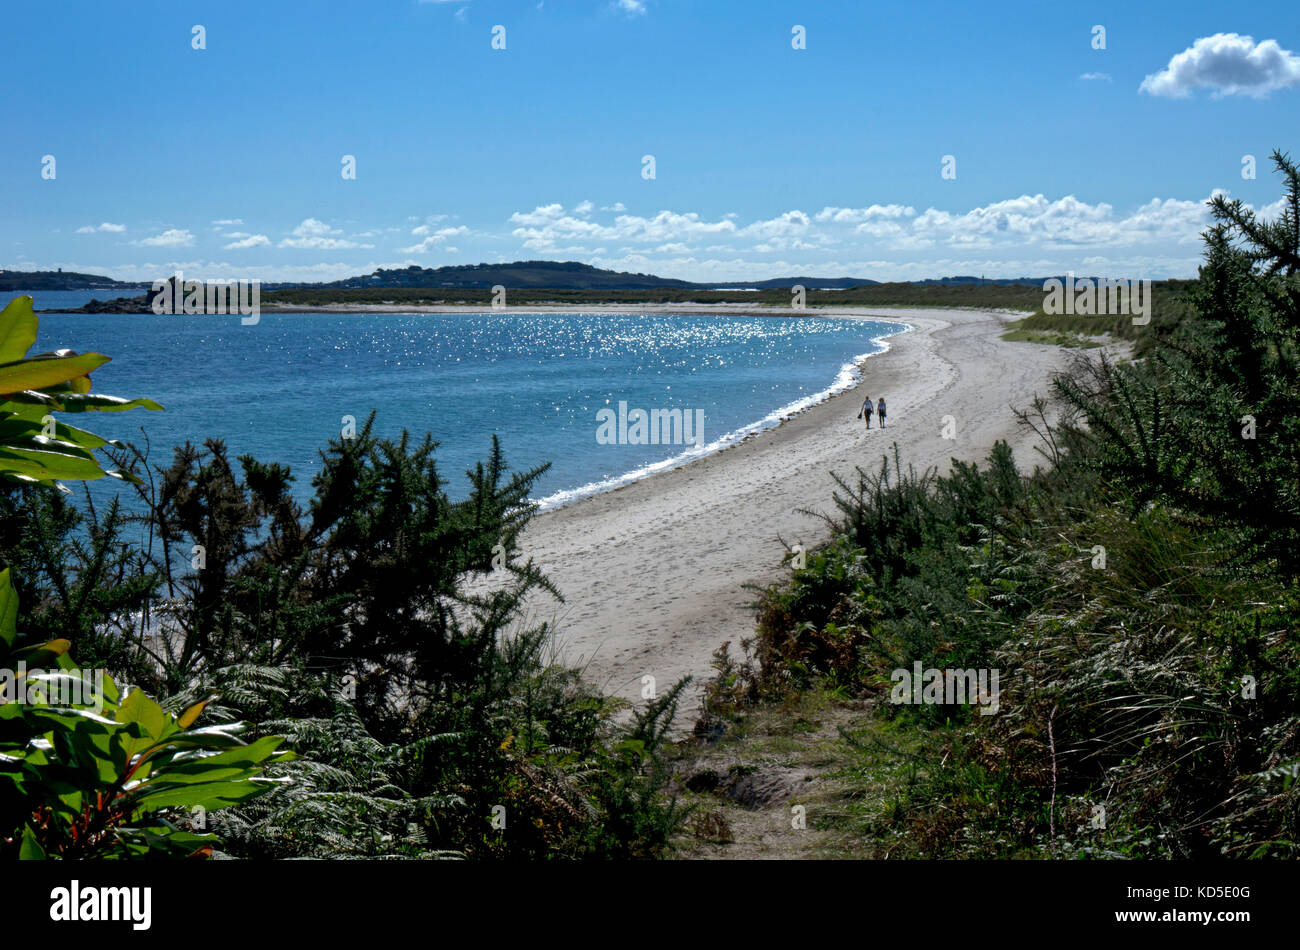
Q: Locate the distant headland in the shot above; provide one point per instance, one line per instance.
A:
(574, 281)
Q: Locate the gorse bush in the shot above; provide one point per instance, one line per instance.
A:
(921, 568)
(381, 630)
(1210, 423)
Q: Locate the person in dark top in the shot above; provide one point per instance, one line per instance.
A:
(880, 408)
(865, 411)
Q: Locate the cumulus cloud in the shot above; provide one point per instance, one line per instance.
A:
(172, 238)
(247, 240)
(783, 225)
(856, 215)
(1034, 219)
(631, 7)
(316, 234)
(106, 226)
(541, 215)
(550, 227)
(427, 226)
(228, 222)
(1024, 235)
(433, 240)
(546, 226)
(1229, 64)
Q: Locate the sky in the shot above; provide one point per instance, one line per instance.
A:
(902, 141)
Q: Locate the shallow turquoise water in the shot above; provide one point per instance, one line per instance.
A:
(280, 389)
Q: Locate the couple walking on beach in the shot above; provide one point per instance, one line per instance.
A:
(866, 411)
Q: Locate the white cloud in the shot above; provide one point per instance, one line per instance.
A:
(1272, 212)
(541, 215)
(247, 240)
(423, 229)
(1064, 222)
(1229, 64)
(427, 227)
(316, 234)
(583, 209)
(616, 206)
(667, 225)
(855, 215)
(434, 240)
(631, 7)
(226, 222)
(1104, 77)
(1025, 235)
(106, 226)
(171, 238)
(784, 225)
(546, 226)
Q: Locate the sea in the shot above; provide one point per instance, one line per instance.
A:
(554, 388)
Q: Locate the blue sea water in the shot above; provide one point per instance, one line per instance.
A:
(54, 299)
(280, 389)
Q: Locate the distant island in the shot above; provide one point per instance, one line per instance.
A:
(567, 281)
(11, 280)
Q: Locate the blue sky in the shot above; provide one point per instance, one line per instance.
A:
(769, 160)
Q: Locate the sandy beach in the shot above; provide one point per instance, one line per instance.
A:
(654, 573)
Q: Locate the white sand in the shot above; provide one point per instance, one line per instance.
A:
(654, 572)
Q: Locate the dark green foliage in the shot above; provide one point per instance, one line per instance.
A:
(922, 568)
(1210, 424)
(87, 770)
(84, 586)
(1172, 303)
(381, 631)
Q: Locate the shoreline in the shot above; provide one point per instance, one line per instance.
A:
(658, 573)
(848, 376)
